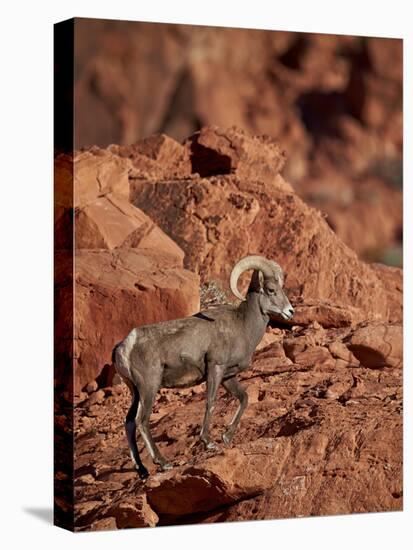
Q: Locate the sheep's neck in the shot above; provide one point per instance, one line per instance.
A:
(255, 320)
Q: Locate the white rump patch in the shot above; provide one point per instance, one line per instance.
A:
(124, 351)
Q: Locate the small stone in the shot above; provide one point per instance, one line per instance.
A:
(94, 410)
(96, 397)
(134, 514)
(314, 355)
(85, 508)
(80, 398)
(86, 479)
(268, 339)
(91, 387)
(184, 392)
(341, 351)
(87, 422)
(253, 392)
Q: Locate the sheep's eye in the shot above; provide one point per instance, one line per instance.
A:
(271, 291)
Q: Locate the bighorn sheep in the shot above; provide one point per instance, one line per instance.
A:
(212, 345)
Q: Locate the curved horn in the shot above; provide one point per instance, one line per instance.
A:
(278, 272)
(269, 269)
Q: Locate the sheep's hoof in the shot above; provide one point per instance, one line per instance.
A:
(227, 438)
(143, 473)
(210, 446)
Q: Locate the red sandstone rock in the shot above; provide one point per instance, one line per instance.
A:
(216, 151)
(392, 278)
(327, 314)
(341, 351)
(268, 339)
(365, 213)
(119, 66)
(167, 157)
(91, 387)
(322, 96)
(104, 524)
(313, 355)
(378, 345)
(324, 412)
(118, 290)
(386, 57)
(134, 514)
(112, 222)
(219, 219)
(96, 397)
(314, 440)
(155, 157)
(63, 202)
(236, 474)
(85, 511)
(98, 173)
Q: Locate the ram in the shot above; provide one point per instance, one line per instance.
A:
(213, 346)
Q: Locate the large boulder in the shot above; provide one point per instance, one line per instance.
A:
(232, 151)
(112, 222)
(378, 345)
(219, 219)
(236, 474)
(118, 290)
(81, 179)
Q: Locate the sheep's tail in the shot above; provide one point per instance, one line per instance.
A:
(121, 362)
(114, 357)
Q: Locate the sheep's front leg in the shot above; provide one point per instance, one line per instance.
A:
(214, 379)
(233, 386)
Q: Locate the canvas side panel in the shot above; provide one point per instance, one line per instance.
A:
(63, 275)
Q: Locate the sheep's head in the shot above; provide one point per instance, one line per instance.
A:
(267, 280)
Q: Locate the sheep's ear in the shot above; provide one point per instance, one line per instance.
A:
(257, 281)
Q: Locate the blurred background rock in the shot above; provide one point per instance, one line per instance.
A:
(333, 102)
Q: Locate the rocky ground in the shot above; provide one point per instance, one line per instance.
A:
(322, 434)
(158, 227)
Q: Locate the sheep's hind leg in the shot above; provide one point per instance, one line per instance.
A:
(214, 378)
(143, 424)
(234, 387)
(130, 428)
